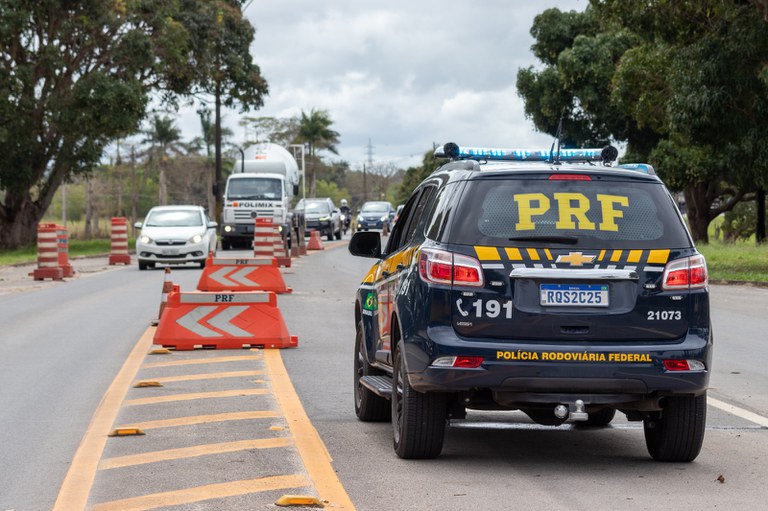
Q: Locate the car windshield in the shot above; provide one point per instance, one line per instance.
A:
(585, 214)
(254, 188)
(174, 218)
(317, 207)
(375, 207)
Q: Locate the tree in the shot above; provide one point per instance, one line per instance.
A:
(280, 131)
(74, 76)
(164, 140)
(315, 131)
(623, 71)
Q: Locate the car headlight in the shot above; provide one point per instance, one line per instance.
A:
(197, 238)
(384, 218)
(325, 219)
(228, 228)
(360, 218)
(145, 239)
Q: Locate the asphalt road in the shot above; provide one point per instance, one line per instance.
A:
(62, 344)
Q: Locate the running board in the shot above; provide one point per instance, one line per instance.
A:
(379, 385)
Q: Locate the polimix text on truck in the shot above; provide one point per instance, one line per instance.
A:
(262, 185)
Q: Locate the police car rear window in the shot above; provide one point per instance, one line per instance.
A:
(587, 214)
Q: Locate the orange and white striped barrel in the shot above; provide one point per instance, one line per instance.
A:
(119, 252)
(62, 242)
(263, 238)
(47, 254)
(281, 248)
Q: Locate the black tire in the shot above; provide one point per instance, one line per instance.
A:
(338, 233)
(418, 419)
(329, 236)
(225, 244)
(598, 419)
(677, 434)
(202, 264)
(368, 406)
(142, 265)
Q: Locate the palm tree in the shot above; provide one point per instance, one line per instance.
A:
(315, 131)
(163, 138)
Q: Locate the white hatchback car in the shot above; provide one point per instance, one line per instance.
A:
(175, 235)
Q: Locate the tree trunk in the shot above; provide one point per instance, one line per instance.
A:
(162, 182)
(697, 206)
(760, 228)
(88, 209)
(18, 223)
(134, 189)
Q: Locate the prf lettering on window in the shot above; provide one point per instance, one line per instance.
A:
(572, 210)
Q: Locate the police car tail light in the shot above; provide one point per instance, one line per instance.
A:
(687, 273)
(441, 267)
(569, 177)
(460, 361)
(684, 365)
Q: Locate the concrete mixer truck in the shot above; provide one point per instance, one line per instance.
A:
(262, 184)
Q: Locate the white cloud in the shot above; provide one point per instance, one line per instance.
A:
(404, 74)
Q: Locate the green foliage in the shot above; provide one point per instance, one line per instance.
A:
(77, 75)
(315, 131)
(332, 190)
(682, 83)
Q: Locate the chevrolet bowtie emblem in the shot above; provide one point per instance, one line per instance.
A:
(575, 259)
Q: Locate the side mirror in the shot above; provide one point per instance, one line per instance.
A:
(365, 244)
(211, 225)
(138, 225)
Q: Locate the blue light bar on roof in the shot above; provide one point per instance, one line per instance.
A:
(453, 151)
(639, 167)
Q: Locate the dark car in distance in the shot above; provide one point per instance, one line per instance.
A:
(375, 215)
(322, 215)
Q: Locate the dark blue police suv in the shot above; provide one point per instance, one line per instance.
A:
(555, 284)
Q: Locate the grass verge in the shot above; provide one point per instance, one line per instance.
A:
(736, 261)
(28, 255)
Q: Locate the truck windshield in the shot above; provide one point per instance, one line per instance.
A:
(254, 188)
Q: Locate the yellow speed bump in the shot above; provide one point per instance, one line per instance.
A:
(160, 351)
(126, 432)
(298, 500)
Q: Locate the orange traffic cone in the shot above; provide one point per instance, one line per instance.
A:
(315, 243)
(167, 288)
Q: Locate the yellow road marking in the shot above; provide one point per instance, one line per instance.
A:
(195, 395)
(192, 452)
(206, 376)
(202, 493)
(202, 419)
(313, 453)
(196, 361)
(79, 479)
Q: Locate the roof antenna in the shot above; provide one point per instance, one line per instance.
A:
(556, 159)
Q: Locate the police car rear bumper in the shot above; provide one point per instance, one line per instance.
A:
(532, 373)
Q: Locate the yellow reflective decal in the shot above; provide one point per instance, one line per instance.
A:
(573, 206)
(487, 253)
(616, 256)
(533, 254)
(526, 209)
(658, 257)
(513, 254)
(610, 213)
(634, 256)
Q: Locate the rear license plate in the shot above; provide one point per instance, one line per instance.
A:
(573, 295)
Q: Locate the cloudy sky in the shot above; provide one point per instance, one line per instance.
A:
(402, 73)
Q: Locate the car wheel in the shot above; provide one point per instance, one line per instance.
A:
(677, 433)
(202, 264)
(338, 233)
(226, 245)
(368, 406)
(598, 419)
(142, 265)
(418, 419)
(329, 236)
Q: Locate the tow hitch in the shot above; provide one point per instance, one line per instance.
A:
(563, 411)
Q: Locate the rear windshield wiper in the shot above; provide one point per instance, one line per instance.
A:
(567, 240)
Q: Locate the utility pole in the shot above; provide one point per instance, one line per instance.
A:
(217, 184)
(370, 153)
(365, 185)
